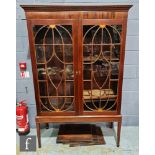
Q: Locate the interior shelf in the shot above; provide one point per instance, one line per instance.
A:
(113, 44)
(89, 59)
(52, 44)
(98, 94)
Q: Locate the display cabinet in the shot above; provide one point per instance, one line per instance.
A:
(77, 55)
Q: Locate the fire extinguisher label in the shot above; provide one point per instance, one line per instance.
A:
(19, 117)
(21, 129)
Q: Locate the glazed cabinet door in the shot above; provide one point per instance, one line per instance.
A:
(53, 55)
(101, 74)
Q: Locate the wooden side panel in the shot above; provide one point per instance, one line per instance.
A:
(120, 82)
(34, 66)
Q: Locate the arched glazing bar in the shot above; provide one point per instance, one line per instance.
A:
(62, 32)
(100, 57)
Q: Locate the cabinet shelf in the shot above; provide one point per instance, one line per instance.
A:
(98, 94)
(88, 60)
(53, 44)
(113, 44)
(91, 80)
(56, 96)
(62, 80)
(43, 63)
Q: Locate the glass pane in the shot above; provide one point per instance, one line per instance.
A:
(69, 72)
(55, 104)
(87, 85)
(101, 36)
(41, 72)
(45, 105)
(87, 51)
(39, 32)
(87, 72)
(116, 52)
(59, 53)
(65, 33)
(101, 72)
(113, 86)
(51, 88)
(43, 88)
(49, 36)
(68, 53)
(114, 70)
(49, 50)
(39, 53)
(88, 33)
(116, 33)
(69, 88)
(99, 105)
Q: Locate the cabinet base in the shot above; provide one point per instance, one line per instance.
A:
(68, 119)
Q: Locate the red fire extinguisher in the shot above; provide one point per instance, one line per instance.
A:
(22, 118)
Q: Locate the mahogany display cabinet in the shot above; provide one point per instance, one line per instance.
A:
(77, 55)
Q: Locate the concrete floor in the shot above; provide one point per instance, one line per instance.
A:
(129, 144)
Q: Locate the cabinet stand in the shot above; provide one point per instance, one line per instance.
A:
(78, 119)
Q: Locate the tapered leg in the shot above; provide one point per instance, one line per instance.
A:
(119, 132)
(111, 125)
(47, 126)
(38, 134)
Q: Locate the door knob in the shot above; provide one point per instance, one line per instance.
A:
(77, 72)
